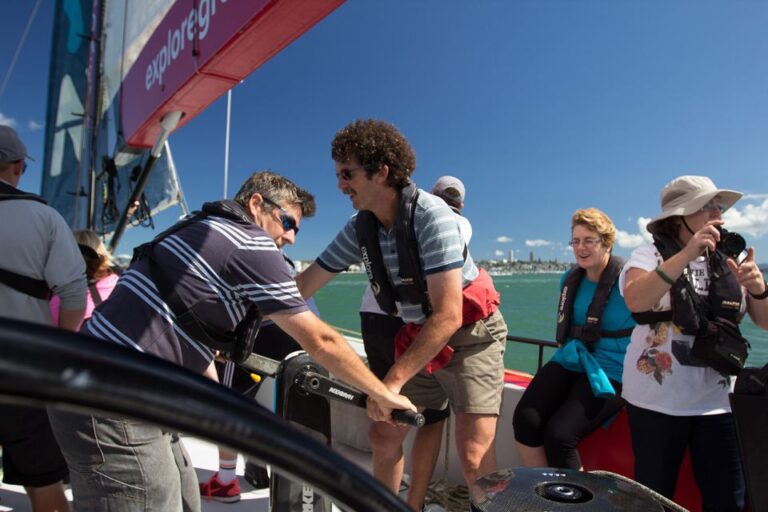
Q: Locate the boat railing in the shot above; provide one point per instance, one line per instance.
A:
(541, 344)
(533, 341)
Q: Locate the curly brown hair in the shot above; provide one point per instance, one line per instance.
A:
(374, 143)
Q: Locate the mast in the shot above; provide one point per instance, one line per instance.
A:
(226, 142)
(168, 123)
(93, 109)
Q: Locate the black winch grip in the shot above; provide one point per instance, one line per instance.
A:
(408, 417)
(315, 383)
(318, 384)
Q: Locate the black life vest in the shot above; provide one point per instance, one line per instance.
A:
(723, 301)
(37, 288)
(413, 287)
(591, 332)
(237, 344)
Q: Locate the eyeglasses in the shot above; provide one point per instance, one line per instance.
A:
(587, 242)
(289, 222)
(712, 206)
(24, 167)
(346, 174)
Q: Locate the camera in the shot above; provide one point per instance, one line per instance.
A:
(731, 244)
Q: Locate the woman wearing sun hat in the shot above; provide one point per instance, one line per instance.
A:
(674, 401)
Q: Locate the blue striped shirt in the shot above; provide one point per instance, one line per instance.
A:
(440, 248)
(220, 268)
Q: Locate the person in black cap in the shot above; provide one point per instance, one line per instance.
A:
(39, 257)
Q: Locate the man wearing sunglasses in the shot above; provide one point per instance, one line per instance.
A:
(214, 269)
(454, 335)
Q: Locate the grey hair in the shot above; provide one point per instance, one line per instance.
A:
(277, 188)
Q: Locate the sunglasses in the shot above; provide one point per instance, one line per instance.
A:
(289, 222)
(712, 206)
(346, 174)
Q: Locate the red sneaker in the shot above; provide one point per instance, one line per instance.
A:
(215, 490)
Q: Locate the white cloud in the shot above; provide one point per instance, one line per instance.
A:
(754, 197)
(628, 240)
(537, 243)
(499, 253)
(503, 239)
(750, 219)
(33, 126)
(7, 120)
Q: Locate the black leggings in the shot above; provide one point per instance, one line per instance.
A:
(558, 410)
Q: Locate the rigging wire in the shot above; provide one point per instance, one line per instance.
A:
(19, 47)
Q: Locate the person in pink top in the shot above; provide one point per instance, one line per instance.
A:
(99, 270)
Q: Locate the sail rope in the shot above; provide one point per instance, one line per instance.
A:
(19, 47)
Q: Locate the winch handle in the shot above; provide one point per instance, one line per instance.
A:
(408, 417)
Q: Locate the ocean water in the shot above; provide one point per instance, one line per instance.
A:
(528, 303)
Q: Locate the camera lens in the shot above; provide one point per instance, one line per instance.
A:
(732, 244)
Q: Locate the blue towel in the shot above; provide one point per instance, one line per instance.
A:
(575, 356)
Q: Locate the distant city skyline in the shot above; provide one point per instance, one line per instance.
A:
(541, 108)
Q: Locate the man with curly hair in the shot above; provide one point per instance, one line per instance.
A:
(451, 347)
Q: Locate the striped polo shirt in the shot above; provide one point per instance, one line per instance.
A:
(440, 249)
(220, 267)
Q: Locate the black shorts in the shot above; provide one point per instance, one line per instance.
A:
(31, 456)
(271, 342)
(379, 332)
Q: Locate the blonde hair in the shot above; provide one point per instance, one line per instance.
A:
(101, 266)
(596, 220)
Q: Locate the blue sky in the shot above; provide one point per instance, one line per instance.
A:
(541, 107)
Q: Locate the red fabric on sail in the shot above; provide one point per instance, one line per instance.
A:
(480, 300)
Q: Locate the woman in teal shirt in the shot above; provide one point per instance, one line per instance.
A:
(580, 387)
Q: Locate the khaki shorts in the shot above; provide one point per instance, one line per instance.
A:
(473, 380)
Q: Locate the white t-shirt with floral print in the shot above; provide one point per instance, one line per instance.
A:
(659, 373)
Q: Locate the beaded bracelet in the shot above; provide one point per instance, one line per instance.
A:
(759, 296)
(663, 275)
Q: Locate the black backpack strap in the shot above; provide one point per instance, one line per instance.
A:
(591, 331)
(237, 344)
(95, 295)
(565, 304)
(367, 232)
(413, 287)
(28, 285)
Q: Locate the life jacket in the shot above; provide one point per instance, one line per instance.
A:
(591, 332)
(723, 301)
(413, 287)
(37, 288)
(237, 344)
(479, 301)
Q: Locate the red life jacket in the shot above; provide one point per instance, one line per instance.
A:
(480, 300)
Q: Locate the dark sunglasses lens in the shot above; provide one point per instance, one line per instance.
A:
(289, 223)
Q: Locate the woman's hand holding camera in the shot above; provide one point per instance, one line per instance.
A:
(703, 240)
